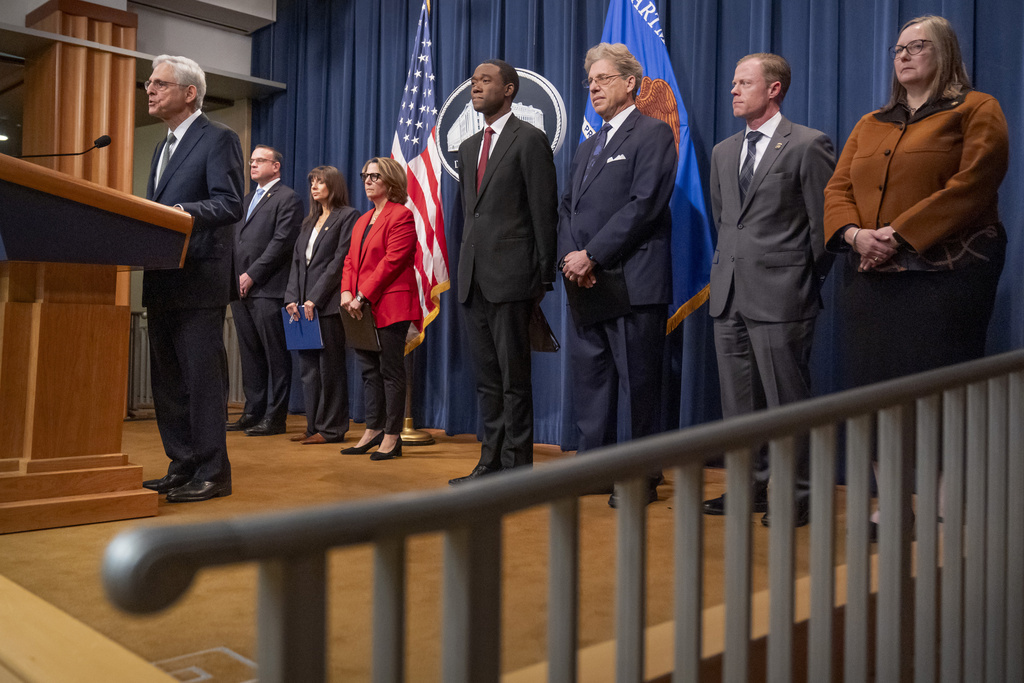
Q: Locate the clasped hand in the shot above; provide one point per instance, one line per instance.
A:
(578, 268)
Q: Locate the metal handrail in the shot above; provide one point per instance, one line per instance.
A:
(148, 569)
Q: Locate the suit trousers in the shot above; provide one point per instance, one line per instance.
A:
(325, 382)
(189, 375)
(499, 339)
(384, 379)
(765, 365)
(627, 351)
(266, 360)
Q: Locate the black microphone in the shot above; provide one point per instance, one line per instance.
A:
(101, 141)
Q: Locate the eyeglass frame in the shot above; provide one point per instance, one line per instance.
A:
(160, 85)
(378, 178)
(260, 160)
(896, 50)
(602, 80)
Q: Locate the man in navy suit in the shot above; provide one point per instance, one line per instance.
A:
(263, 245)
(196, 169)
(507, 261)
(613, 246)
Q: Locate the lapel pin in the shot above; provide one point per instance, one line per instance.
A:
(778, 145)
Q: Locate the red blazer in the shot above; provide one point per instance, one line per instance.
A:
(381, 266)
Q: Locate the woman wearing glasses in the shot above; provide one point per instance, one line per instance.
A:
(378, 276)
(313, 289)
(914, 203)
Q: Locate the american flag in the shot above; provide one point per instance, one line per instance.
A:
(415, 147)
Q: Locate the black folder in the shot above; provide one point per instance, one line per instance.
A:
(302, 334)
(607, 299)
(362, 333)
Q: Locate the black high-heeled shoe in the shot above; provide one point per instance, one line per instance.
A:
(362, 450)
(395, 452)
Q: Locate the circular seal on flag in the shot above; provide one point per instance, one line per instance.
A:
(537, 102)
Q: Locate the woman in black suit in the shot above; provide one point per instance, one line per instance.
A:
(314, 286)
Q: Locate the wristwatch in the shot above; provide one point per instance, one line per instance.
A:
(362, 299)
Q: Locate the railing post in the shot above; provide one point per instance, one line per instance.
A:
(292, 625)
(563, 590)
(471, 640)
(995, 529)
(823, 572)
(781, 559)
(389, 611)
(895, 605)
(858, 566)
(1015, 530)
(952, 589)
(737, 567)
(929, 411)
(689, 563)
(630, 579)
(974, 534)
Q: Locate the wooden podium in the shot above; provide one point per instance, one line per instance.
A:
(68, 230)
(64, 344)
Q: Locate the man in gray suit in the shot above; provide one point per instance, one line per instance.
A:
(767, 199)
(506, 262)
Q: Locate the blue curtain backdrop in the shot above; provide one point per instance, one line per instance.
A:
(345, 61)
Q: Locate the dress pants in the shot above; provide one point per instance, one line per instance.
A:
(325, 382)
(627, 351)
(384, 379)
(266, 361)
(499, 339)
(189, 374)
(765, 365)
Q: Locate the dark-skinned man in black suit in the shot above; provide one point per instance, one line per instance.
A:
(263, 245)
(196, 169)
(506, 262)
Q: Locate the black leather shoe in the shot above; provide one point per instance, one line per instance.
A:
(652, 496)
(801, 514)
(716, 506)
(166, 483)
(478, 471)
(395, 452)
(365, 448)
(196, 491)
(266, 427)
(241, 424)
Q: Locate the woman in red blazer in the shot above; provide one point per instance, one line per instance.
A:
(378, 273)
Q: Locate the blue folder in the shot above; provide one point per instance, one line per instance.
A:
(302, 334)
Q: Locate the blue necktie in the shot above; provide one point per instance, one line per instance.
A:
(255, 200)
(747, 172)
(602, 138)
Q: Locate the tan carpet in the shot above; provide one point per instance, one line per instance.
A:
(217, 616)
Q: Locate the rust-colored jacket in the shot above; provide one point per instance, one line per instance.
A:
(928, 178)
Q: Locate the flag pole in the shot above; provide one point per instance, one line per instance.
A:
(410, 435)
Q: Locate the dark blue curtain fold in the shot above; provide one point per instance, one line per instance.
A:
(345, 63)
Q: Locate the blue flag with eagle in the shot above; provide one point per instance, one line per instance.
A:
(636, 24)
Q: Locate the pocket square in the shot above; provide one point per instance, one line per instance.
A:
(621, 157)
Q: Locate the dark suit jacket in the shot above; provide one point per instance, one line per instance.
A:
(204, 176)
(320, 281)
(621, 213)
(264, 242)
(771, 248)
(509, 234)
(381, 266)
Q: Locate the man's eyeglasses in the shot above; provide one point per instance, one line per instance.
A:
(371, 176)
(161, 85)
(257, 160)
(914, 47)
(602, 80)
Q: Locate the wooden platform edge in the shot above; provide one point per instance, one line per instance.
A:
(41, 644)
(49, 513)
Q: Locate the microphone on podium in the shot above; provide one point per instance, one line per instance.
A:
(101, 141)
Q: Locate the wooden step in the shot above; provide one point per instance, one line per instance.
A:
(41, 644)
(66, 483)
(48, 513)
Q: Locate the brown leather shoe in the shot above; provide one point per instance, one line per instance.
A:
(317, 438)
(299, 437)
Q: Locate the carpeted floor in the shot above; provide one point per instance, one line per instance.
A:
(213, 627)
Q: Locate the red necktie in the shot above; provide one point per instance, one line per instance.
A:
(484, 152)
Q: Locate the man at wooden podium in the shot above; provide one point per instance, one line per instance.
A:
(196, 169)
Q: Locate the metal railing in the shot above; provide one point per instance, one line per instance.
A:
(969, 418)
